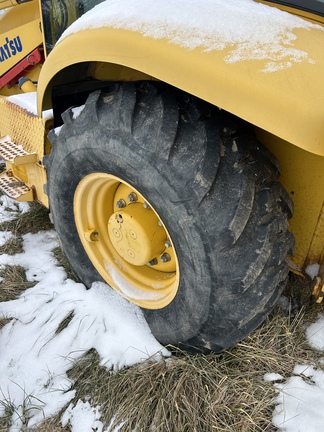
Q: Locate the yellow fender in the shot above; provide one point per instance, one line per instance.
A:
(287, 103)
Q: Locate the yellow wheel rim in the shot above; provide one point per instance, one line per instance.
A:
(126, 240)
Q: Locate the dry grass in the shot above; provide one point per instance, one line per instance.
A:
(204, 393)
(13, 282)
(12, 247)
(184, 393)
(36, 219)
(62, 260)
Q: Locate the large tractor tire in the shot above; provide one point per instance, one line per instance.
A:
(175, 205)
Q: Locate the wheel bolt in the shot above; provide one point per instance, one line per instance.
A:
(91, 235)
(153, 262)
(145, 205)
(165, 258)
(132, 197)
(167, 243)
(121, 204)
(160, 223)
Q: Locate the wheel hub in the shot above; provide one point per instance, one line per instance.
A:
(126, 240)
(136, 234)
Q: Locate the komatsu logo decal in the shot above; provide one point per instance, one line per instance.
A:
(10, 48)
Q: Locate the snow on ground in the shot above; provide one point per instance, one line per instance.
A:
(298, 403)
(9, 210)
(267, 33)
(315, 334)
(34, 356)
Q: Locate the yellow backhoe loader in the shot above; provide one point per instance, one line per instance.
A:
(179, 147)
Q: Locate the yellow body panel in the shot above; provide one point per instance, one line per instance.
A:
(22, 23)
(7, 4)
(18, 16)
(29, 34)
(288, 103)
(303, 178)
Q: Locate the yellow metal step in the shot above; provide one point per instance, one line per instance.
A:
(16, 159)
(14, 188)
(11, 152)
(25, 176)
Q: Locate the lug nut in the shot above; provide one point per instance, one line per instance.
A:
(153, 262)
(167, 243)
(132, 197)
(145, 205)
(160, 223)
(165, 258)
(91, 235)
(121, 204)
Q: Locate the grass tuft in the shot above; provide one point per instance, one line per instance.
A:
(22, 412)
(12, 247)
(36, 219)
(13, 282)
(8, 410)
(64, 324)
(62, 260)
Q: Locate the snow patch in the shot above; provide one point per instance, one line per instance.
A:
(28, 101)
(4, 237)
(129, 290)
(267, 33)
(298, 401)
(312, 270)
(77, 111)
(297, 406)
(57, 130)
(35, 355)
(315, 334)
(273, 377)
(10, 209)
(82, 417)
